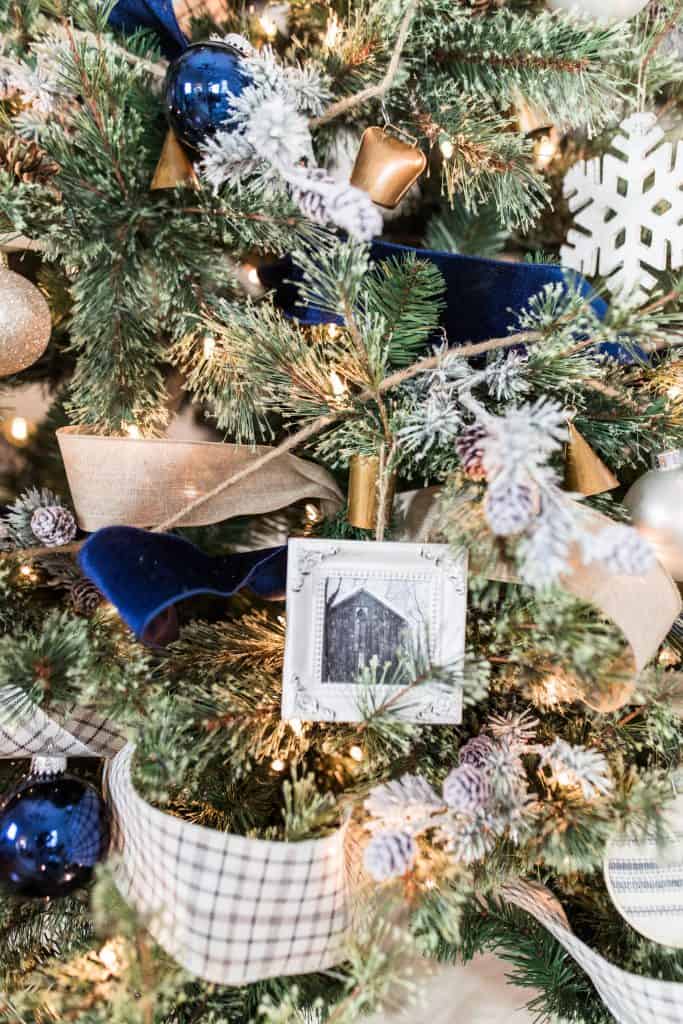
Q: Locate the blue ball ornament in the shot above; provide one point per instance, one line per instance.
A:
(199, 88)
(53, 830)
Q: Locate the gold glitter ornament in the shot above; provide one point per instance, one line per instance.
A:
(25, 323)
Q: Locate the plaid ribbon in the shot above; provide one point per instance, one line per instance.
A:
(26, 731)
(631, 998)
(228, 908)
(233, 910)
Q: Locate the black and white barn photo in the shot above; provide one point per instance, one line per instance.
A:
(368, 619)
(363, 611)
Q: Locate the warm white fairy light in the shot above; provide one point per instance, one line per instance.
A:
(109, 957)
(278, 765)
(332, 331)
(312, 513)
(26, 570)
(356, 753)
(252, 275)
(18, 428)
(296, 725)
(337, 384)
(447, 148)
(132, 430)
(209, 346)
(546, 151)
(332, 31)
(268, 26)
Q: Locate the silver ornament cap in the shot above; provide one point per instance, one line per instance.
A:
(25, 323)
(656, 503)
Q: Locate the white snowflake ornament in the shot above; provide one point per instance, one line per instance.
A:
(628, 212)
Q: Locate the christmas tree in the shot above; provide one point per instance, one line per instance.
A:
(415, 268)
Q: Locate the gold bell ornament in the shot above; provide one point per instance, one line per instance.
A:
(364, 492)
(25, 322)
(174, 166)
(585, 472)
(386, 167)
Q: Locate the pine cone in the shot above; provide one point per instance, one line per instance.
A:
(476, 751)
(389, 855)
(53, 525)
(26, 161)
(84, 596)
(6, 542)
(466, 788)
(469, 446)
(509, 508)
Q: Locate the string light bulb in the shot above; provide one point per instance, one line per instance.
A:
(337, 384)
(332, 331)
(278, 765)
(268, 26)
(545, 150)
(133, 430)
(253, 276)
(332, 31)
(356, 753)
(447, 148)
(25, 570)
(296, 725)
(209, 346)
(18, 428)
(312, 513)
(108, 956)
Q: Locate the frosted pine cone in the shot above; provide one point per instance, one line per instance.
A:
(389, 855)
(470, 447)
(509, 508)
(466, 788)
(6, 543)
(53, 525)
(476, 751)
(84, 596)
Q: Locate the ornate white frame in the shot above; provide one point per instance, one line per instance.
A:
(309, 563)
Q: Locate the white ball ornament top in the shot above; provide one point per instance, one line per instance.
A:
(25, 323)
(600, 10)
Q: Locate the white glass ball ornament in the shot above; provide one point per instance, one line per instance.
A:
(656, 505)
(25, 323)
(600, 10)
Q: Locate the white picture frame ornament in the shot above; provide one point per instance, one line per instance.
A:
(416, 588)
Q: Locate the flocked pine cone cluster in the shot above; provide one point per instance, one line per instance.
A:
(53, 525)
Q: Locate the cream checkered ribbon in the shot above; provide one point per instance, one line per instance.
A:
(234, 910)
(228, 908)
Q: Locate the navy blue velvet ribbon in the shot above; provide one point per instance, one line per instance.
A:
(145, 574)
(132, 15)
(482, 295)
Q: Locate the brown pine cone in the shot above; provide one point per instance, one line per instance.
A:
(470, 448)
(84, 596)
(26, 161)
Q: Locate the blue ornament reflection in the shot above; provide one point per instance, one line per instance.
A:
(199, 88)
(52, 833)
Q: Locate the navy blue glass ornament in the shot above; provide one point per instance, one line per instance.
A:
(53, 830)
(199, 89)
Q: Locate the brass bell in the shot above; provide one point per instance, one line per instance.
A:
(174, 166)
(585, 472)
(386, 167)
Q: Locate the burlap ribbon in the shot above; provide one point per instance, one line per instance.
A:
(139, 482)
(643, 607)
